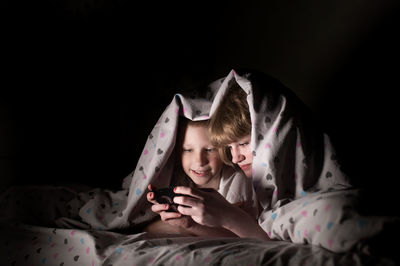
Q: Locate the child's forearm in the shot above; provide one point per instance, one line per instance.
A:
(202, 230)
(160, 227)
(243, 225)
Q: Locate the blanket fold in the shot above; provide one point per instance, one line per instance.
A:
(304, 194)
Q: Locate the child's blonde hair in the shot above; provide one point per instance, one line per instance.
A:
(230, 122)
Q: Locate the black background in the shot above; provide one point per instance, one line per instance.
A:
(85, 81)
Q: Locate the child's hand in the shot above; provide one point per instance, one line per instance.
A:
(183, 221)
(207, 208)
(150, 195)
(160, 208)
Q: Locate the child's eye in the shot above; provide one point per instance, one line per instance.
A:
(243, 144)
(211, 149)
(187, 150)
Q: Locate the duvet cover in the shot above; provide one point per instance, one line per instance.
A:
(309, 208)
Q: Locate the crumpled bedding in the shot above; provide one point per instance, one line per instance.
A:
(304, 194)
(24, 244)
(305, 197)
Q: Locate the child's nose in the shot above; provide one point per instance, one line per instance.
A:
(200, 158)
(237, 156)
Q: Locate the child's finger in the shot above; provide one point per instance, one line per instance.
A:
(186, 210)
(188, 191)
(165, 216)
(159, 207)
(187, 201)
(151, 187)
(150, 197)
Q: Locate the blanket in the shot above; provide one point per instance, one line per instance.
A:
(23, 244)
(304, 195)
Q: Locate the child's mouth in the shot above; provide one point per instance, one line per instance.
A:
(201, 173)
(245, 167)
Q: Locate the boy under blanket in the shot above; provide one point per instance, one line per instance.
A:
(304, 195)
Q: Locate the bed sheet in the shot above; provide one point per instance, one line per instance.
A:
(309, 207)
(24, 244)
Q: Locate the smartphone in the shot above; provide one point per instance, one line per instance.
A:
(166, 196)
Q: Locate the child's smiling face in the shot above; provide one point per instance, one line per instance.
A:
(200, 160)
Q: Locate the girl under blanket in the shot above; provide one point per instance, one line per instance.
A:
(303, 194)
(304, 197)
(199, 167)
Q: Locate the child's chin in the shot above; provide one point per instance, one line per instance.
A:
(195, 177)
(249, 173)
(200, 183)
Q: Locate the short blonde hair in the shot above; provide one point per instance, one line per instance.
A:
(230, 122)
